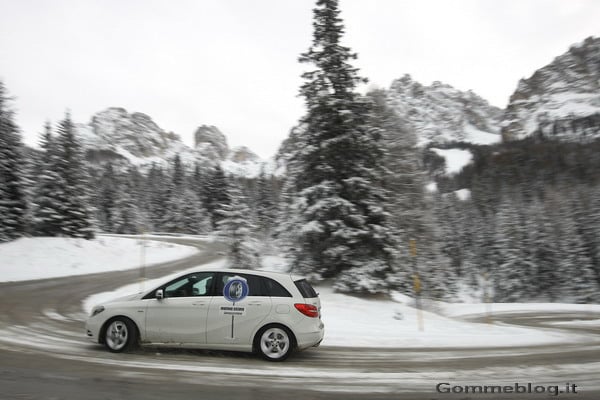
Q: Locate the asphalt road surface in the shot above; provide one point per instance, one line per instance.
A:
(44, 354)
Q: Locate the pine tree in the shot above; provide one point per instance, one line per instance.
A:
(575, 270)
(49, 207)
(215, 194)
(266, 209)
(198, 182)
(183, 212)
(156, 194)
(127, 218)
(78, 215)
(107, 198)
(13, 204)
(546, 253)
(512, 272)
(339, 184)
(238, 231)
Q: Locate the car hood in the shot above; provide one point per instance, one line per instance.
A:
(129, 297)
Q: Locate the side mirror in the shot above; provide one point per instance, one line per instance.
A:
(159, 294)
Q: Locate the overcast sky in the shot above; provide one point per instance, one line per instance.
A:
(233, 63)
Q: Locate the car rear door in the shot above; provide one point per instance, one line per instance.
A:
(224, 328)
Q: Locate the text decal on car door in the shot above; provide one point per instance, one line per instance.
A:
(229, 310)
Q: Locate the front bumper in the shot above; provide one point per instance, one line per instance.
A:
(92, 329)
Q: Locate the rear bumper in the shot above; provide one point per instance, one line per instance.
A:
(310, 339)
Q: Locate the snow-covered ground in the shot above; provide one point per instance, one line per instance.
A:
(355, 321)
(50, 257)
(470, 309)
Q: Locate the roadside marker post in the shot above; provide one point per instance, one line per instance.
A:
(416, 284)
(143, 261)
(486, 298)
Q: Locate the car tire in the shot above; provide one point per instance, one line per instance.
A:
(120, 334)
(274, 342)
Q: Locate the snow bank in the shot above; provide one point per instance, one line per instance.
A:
(472, 309)
(49, 257)
(355, 321)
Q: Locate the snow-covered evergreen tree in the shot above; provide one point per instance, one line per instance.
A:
(512, 271)
(340, 198)
(575, 271)
(238, 231)
(127, 219)
(106, 199)
(48, 208)
(78, 215)
(156, 194)
(546, 254)
(215, 194)
(585, 208)
(266, 205)
(13, 204)
(183, 213)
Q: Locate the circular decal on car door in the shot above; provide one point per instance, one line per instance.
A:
(236, 289)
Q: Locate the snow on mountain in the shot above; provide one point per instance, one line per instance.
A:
(241, 161)
(456, 159)
(440, 113)
(560, 100)
(135, 139)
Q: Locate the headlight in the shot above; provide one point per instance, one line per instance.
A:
(97, 310)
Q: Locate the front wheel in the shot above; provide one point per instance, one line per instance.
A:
(275, 343)
(120, 335)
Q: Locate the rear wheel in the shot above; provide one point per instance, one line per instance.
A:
(274, 342)
(120, 335)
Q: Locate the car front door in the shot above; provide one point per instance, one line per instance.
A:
(180, 316)
(224, 328)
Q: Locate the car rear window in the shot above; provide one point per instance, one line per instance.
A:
(305, 289)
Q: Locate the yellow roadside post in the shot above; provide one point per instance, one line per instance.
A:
(487, 300)
(143, 260)
(416, 283)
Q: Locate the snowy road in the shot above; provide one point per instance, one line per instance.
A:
(44, 355)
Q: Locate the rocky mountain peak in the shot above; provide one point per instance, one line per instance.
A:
(440, 113)
(210, 138)
(560, 100)
(136, 133)
(135, 139)
(243, 154)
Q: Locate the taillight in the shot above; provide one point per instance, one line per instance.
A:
(307, 309)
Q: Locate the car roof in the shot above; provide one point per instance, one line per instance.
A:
(271, 274)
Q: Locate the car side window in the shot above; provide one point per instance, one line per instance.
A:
(197, 284)
(202, 286)
(274, 288)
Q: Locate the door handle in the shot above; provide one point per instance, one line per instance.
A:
(199, 303)
(255, 303)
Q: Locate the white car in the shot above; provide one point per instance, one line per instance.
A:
(232, 309)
